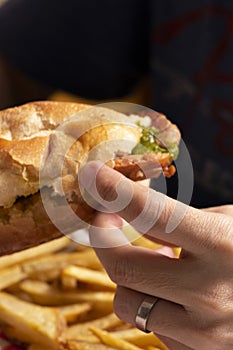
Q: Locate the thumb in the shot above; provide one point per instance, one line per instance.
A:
(113, 192)
(150, 212)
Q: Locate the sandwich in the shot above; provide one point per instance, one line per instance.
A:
(44, 144)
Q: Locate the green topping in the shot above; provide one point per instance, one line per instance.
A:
(173, 151)
(139, 149)
(149, 136)
(149, 142)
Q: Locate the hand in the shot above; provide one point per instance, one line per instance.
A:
(196, 306)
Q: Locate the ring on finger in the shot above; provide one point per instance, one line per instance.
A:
(144, 311)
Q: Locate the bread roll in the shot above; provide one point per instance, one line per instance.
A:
(42, 147)
(32, 144)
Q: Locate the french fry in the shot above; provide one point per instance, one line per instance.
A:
(30, 253)
(84, 345)
(146, 243)
(31, 323)
(51, 287)
(83, 329)
(139, 338)
(68, 282)
(46, 275)
(99, 278)
(24, 337)
(74, 311)
(44, 294)
(83, 337)
(138, 239)
(176, 251)
(112, 341)
(86, 258)
(10, 276)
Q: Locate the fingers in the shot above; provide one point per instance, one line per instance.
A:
(165, 319)
(149, 211)
(138, 268)
(222, 209)
(173, 345)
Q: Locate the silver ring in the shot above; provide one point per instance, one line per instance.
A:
(144, 311)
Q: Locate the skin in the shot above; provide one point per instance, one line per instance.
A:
(195, 310)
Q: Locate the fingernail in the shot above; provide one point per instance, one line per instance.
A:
(87, 174)
(114, 220)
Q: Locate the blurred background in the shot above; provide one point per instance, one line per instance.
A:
(173, 57)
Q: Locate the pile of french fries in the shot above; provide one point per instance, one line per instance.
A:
(57, 296)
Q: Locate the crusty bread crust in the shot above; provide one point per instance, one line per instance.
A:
(25, 133)
(28, 143)
(29, 119)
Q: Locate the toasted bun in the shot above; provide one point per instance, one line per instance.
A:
(35, 152)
